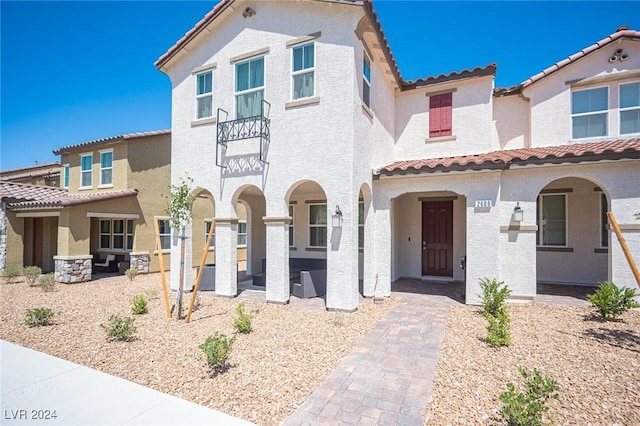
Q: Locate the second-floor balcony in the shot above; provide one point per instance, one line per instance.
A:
(256, 126)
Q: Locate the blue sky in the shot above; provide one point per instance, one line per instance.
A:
(82, 70)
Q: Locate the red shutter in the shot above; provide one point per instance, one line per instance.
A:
(440, 115)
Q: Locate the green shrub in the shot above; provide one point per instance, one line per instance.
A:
(493, 296)
(47, 283)
(217, 348)
(131, 273)
(611, 300)
(118, 328)
(10, 274)
(139, 305)
(242, 322)
(38, 317)
(527, 408)
(31, 274)
(499, 329)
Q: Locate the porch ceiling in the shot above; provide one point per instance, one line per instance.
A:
(503, 160)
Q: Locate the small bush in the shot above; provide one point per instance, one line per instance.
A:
(131, 273)
(217, 348)
(242, 322)
(493, 296)
(31, 274)
(10, 274)
(47, 283)
(139, 305)
(38, 317)
(527, 408)
(611, 300)
(119, 329)
(151, 293)
(499, 329)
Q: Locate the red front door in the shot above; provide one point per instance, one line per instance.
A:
(437, 238)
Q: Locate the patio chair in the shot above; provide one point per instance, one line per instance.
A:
(105, 264)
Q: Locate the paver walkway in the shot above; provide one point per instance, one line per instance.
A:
(387, 378)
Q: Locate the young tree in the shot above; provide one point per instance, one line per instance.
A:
(178, 207)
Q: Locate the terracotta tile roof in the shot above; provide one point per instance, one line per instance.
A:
(22, 196)
(502, 160)
(621, 33)
(490, 69)
(26, 169)
(109, 141)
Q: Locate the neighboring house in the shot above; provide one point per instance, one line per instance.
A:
(39, 174)
(299, 118)
(112, 189)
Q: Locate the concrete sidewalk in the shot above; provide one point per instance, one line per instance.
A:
(36, 385)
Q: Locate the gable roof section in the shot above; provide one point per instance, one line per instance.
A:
(113, 140)
(24, 196)
(621, 33)
(503, 160)
(34, 171)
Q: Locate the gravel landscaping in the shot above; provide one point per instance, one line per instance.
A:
(293, 349)
(596, 364)
(272, 370)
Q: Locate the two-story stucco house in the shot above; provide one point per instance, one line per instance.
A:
(47, 174)
(298, 111)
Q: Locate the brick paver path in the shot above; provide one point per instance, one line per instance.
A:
(387, 378)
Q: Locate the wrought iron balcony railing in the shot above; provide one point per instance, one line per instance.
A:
(242, 128)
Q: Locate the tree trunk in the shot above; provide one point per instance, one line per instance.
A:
(180, 289)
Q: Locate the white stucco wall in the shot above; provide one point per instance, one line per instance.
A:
(551, 97)
(471, 121)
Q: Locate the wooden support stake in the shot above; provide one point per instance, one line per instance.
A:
(161, 260)
(205, 252)
(625, 248)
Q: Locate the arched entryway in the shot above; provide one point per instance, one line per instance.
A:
(572, 241)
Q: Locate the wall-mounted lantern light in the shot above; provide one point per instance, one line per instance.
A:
(518, 213)
(336, 218)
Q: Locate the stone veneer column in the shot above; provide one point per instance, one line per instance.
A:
(3, 235)
(72, 269)
(140, 261)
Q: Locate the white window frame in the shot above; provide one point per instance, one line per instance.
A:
(167, 221)
(207, 225)
(361, 225)
(262, 88)
(65, 177)
(312, 225)
(540, 219)
(101, 153)
(203, 95)
(366, 59)
(245, 233)
(311, 70)
(125, 234)
(292, 239)
(585, 114)
(89, 172)
(604, 221)
(621, 109)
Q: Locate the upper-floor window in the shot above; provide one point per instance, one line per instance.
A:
(249, 87)
(65, 177)
(303, 71)
(629, 108)
(204, 94)
(366, 80)
(86, 163)
(106, 167)
(317, 225)
(440, 115)
(552, 219)
(589, 112)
